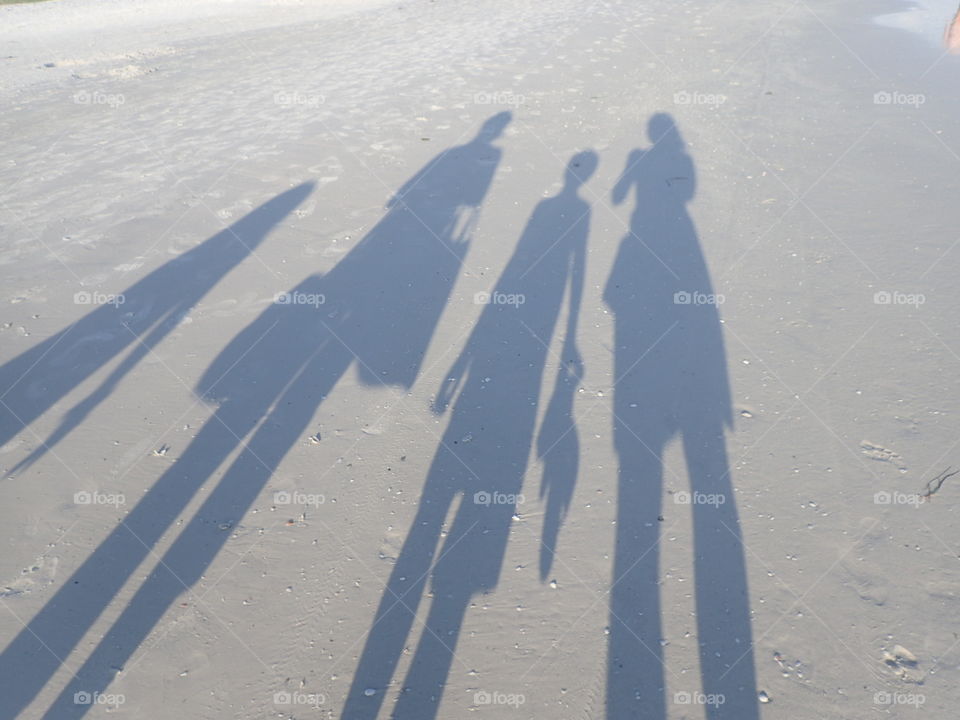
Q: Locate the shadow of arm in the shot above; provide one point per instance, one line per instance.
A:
(627, 178)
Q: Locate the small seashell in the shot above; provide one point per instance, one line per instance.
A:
(903, 655)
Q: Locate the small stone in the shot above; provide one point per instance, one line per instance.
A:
(369, 692)
(903, 655)
(553, 584)
(763, 697)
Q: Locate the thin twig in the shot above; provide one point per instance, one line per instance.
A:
(937, 482)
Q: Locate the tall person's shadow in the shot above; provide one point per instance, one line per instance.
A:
(32, 382)
(376, 309)
(494, 386)
(671, 381)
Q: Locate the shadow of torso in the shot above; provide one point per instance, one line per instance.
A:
(670, 366)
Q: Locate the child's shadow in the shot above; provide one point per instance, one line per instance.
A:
(494, 388)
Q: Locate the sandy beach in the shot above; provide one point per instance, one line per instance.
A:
(441, 359)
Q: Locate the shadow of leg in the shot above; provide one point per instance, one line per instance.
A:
(722, 598)
(635, 677)
(34, 655)
(468, 564)
(191, 554)
(398, 606)
(420, 697)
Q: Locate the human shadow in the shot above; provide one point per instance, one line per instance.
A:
(671, 381)
(376, 310)
(481, 460)
(142, 315)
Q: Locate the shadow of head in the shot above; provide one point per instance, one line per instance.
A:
(662, 130)
(580, 168)
(494, 126)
